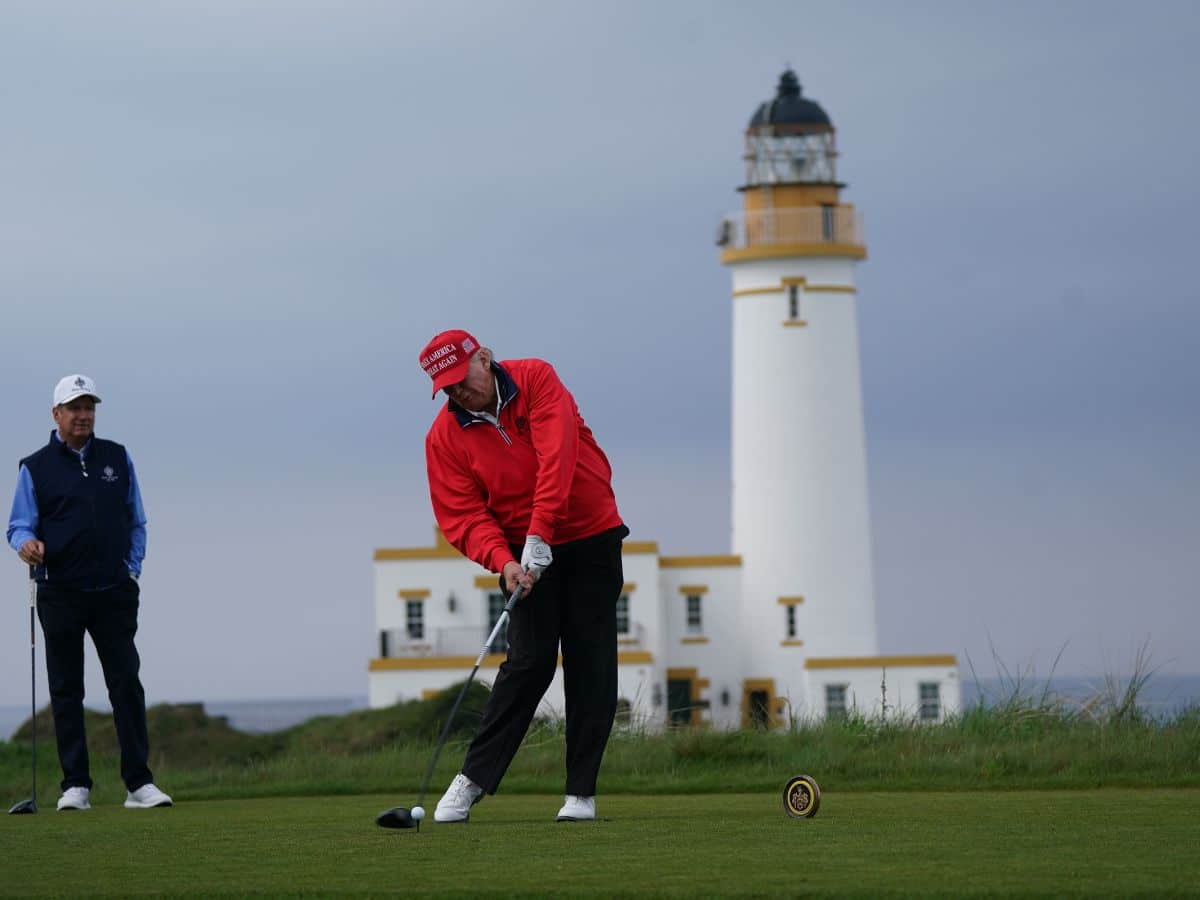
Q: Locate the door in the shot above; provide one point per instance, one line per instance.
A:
(679, 701)
(760, 710)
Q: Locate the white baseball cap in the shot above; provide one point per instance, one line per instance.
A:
(74, 386)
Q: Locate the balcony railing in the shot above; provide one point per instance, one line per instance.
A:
(396, 643)
(815, 226)
(633, 639)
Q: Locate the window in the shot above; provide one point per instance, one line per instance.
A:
(496, 602)
(416, 619)
(623, 614)
(624, 714)
(695, 624)
(793, 302)
(383, 645)
(791, 620)
(931, 701)
(828, 230)
(835, 701)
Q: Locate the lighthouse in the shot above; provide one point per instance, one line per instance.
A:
(800, 511)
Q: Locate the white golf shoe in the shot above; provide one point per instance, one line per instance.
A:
(146, 797)
(74, 798)
(577, 809)
(456, 803)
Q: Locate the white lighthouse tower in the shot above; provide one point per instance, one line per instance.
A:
(800, 517)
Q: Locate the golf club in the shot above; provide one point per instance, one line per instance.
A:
(402, 816)
(26, 807)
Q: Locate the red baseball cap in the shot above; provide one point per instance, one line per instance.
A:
(446, 356)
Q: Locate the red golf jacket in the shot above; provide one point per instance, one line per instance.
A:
(538, 471)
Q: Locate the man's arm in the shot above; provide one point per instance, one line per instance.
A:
(23, 521)
(137, 520)
(460, 510)
(554, 425)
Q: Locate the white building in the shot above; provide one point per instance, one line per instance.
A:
(784, 627)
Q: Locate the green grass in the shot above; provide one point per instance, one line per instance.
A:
(1108, 843)
(376, 751)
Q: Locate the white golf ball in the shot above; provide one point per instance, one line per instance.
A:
(418, 813)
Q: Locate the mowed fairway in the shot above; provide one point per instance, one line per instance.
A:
(1070, 843)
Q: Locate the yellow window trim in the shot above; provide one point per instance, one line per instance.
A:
(698, 562)
(877, 662)
(634, 658)
(694, 640)
(800, 282)
(791, 642)
(487, 582)
(393, 664)
(640, 547)
(750, 292)
(693, 589)
(413, 593)
(629, 587)
(795, 323)
(791, 601)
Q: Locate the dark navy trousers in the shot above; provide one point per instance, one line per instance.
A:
(110, 617)
(574, 604)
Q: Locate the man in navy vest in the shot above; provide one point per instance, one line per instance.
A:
(77, 521)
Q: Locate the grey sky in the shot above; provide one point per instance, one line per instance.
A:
(244, 220)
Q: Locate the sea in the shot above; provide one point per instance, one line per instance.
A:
(251, 716)
(1163, 696)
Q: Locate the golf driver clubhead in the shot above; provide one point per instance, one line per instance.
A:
(26, 807)
(397, 817)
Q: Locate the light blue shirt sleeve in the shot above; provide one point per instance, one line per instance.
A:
(137, 516)
(23, 519)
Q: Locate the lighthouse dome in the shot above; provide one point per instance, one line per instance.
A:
(789, 111)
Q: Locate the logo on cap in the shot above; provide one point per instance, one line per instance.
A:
(446, 356)
(79, 382)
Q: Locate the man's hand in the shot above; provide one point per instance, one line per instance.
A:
(32, 552)
(536, 556)
(515, 575)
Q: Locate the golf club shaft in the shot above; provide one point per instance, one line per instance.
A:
(33, 674)
(437, 750)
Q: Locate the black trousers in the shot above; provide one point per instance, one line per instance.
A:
(574, 604)
(110, 617)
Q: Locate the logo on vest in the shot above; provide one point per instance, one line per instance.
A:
(109, 474)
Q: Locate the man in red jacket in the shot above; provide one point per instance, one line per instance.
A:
(516, 476)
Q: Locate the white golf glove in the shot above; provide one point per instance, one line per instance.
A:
(536, 556)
